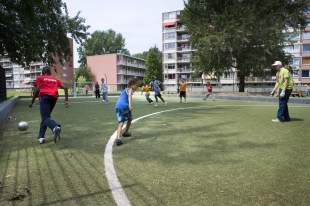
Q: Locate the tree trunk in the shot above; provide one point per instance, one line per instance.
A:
(241, 82)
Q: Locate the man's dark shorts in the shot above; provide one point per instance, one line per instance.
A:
(182, 94)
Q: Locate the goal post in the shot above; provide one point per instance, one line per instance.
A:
(79, 89)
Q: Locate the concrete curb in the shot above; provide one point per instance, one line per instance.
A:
(5, 107)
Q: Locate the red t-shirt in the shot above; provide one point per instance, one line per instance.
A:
(209, 88)
(48, 85)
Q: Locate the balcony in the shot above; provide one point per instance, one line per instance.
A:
(183, 59)
(184, 48)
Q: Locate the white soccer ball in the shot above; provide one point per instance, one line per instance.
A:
(22, 126)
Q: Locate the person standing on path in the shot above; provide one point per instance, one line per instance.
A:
(104, 89)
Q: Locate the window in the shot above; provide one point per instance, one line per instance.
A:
(169, 56)
(169, 15)
(295, 62)
(169, 36)
(306, 35)
(293, 36)
(306, 60)
(169, 46)
(291, 49)
(305, 73)
(295, 73)
(308, 21)
(306, 48)
(64, 74)
(169, 66)
(64, 68)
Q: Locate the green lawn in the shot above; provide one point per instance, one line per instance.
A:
(201, 153)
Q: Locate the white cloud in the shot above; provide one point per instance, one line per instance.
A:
(139, 21)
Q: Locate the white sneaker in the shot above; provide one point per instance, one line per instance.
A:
(56, 132)
(213, 99)
(41, 140)
(156, 105)
(185, 102)
(166, 103)
(276, 120)
(151, 102)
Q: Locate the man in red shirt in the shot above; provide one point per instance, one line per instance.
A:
(46, 89)
(209, 90)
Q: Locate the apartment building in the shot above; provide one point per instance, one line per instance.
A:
(117, 69)
(21, 78)
(177, 52)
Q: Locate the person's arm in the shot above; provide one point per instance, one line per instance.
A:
(67, 104)
(35, 94)
(129, 92)
(275, 88)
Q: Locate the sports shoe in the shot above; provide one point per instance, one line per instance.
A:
(56, 132)
(276, 120)
(166, 103)
(128, 134)
(156, 105)
(107, 102)
(213, 99)
(151, 102)
(185, 102)
(41, 140)
(118, 142)
(204, 98)
(103, 100)
(180, 102)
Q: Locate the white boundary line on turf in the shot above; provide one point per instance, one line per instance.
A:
(118, 193)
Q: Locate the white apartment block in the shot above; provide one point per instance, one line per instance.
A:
(177, 52)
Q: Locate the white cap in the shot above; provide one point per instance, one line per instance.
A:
(276, 63)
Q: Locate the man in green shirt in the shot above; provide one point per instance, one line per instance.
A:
(285, 84)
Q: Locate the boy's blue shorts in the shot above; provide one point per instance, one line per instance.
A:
(123, 114)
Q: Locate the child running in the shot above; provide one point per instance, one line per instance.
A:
(155, 85)
(210, 93)
(123, 109)
(146, 88)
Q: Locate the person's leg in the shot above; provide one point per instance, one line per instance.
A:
(128, 124)
(147, 96)
(286, 114)
(185, 97)
(211, 95)
(282, 103)
(106, 97)
(47, 105)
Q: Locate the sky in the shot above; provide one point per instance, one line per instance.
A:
(139, 21)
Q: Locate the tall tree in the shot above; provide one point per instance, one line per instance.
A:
(37, 30)
(143, 55)
(85, 72)
(102, 42)
(153, 65)
(247, 35)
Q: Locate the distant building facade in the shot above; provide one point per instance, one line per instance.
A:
(117, 69)
(20, 78)
(177, 53)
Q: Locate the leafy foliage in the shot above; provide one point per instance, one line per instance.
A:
(37, 31)
(102, 42)
(84, 72)
(153, 65)
(247, 33)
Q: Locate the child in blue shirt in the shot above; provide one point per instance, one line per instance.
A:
(123, 109)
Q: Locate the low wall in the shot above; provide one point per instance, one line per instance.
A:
(6, 106)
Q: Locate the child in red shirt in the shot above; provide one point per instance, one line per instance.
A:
(209, 90)
(46, 89)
